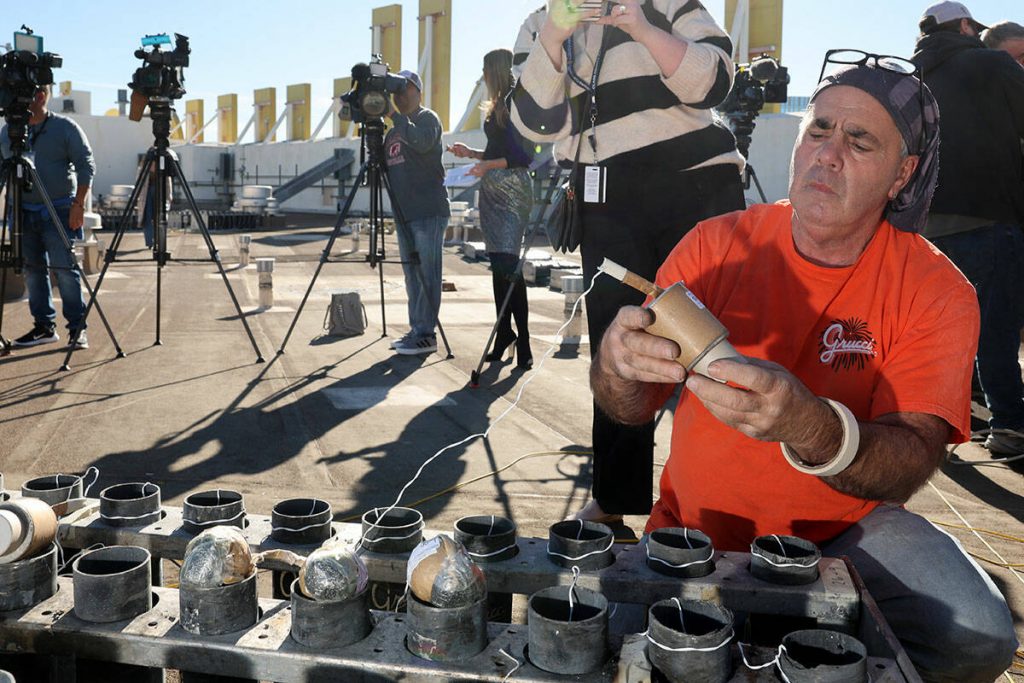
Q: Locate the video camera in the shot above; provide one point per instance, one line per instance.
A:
(162, 73)
(371, 85)
(23, 71)
(761, 81)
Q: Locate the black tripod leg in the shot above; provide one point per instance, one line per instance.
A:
(325, 255)
(377, 220)
(110, 256)
(399, 223)
(757, 183)
(214, 254)
(5, 345)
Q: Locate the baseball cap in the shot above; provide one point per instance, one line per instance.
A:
(942, 12)
(412, 77)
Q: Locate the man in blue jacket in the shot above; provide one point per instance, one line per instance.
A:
(66, 168)
(412, 152)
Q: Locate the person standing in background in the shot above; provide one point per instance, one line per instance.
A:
(506, 199)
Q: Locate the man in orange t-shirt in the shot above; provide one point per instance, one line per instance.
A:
(857, 339)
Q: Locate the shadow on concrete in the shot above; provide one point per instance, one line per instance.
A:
(985, 489)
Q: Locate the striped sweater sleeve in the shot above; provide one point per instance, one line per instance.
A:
(540, 101)
(705, 74)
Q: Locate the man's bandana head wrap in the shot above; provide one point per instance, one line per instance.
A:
(902, 95)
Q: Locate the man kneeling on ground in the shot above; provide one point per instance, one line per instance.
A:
(831, 295)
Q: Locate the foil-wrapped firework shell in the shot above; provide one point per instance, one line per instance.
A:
(441, 573)
(217, 557)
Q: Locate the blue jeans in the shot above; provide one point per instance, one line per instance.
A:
(946, 612)
(422, 239)
(992, 258)
(43, 247)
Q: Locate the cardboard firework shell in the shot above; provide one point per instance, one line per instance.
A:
(441, 573)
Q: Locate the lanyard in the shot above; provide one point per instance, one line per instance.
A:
(591, 88)
(39, 131)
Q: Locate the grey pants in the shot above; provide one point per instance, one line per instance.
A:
(948, 614)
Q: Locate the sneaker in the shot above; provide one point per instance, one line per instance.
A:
(1005, 444)
(78, 340)
(395, 343)
(40, 334)
(417, 346)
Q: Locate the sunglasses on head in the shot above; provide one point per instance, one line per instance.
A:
(890, 63)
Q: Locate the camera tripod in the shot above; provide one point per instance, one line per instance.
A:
(374, 172)
(167, 166)
(17, 173)
(742, 125)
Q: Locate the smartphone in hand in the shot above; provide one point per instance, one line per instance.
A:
(590, 5)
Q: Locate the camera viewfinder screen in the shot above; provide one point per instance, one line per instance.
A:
(32, 43)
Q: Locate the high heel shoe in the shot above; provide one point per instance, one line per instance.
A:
(500, 346)
(525, 361)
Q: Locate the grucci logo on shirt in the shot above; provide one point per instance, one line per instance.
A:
(395, 151)
(846, 345)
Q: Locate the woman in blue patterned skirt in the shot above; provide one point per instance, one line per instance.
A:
(506, 199)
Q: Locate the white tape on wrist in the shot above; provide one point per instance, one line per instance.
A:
(847, 450)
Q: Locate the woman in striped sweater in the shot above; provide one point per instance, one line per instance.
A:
(665, 163)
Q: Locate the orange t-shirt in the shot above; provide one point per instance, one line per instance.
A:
(895, 332)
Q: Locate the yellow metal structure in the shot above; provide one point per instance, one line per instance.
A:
(387, 34)
(265, 105)
(177, 130)
(764, 32)
(299, 108)
(194, 120)
(341, 129)
(436, 17)
(227, 119)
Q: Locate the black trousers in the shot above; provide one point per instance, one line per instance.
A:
(646, 212)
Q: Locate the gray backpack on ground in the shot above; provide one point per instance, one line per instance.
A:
(346, 315)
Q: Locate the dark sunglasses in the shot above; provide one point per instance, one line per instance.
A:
(890, 63)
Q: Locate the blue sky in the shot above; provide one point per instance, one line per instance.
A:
(239, 46)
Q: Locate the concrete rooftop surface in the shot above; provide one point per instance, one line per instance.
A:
(347, 420)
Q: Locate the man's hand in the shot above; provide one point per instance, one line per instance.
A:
(634, 371)
(76, 216)
(773, 405)
(631, 353)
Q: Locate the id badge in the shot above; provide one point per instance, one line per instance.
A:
(595, 184)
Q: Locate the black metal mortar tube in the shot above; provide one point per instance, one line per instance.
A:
(54, 489)
(398, 531)
(587, 545)
(564, 645)
(220, 610)
(446, 634)
(298, 521)
(325, 625)
(489, 539)
(679, 552)
(301, 521)
(112, 584)
(28, 582)
(690, 641)
(785, 560)
(821, 656)
(130, 505)
(220, 507)
(4, 497)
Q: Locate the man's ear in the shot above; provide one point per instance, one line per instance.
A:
(905, 173)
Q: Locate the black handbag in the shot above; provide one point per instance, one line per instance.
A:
(565, 224)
